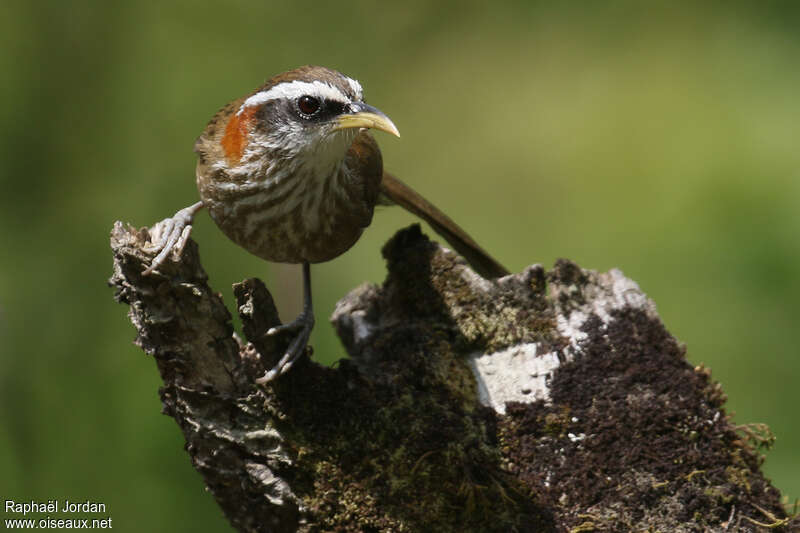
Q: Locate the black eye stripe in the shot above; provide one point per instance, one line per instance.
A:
(314, 108)
(334, 107)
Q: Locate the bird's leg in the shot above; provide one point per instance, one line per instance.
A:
(173, 235)
(303, 325)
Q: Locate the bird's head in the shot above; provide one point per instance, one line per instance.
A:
(308, 116)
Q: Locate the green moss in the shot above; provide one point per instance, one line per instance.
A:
(556, 424)
(739, 477)
(718, 494)
(407, 455)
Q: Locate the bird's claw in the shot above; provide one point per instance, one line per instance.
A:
(171, 234)
(303, 325)
(295, 325)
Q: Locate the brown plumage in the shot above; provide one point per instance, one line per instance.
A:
(290, 173)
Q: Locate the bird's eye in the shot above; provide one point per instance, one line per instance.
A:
(308, 104)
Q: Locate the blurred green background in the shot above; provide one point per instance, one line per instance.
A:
(659, 138)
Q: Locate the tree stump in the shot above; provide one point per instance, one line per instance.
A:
(547, 401)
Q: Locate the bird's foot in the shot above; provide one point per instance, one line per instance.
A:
(171, 234)
(302, 326)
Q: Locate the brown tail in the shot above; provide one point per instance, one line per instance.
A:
(397, 192)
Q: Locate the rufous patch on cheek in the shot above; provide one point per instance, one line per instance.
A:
(235, 138)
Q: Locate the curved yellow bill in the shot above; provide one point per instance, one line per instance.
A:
(361, 115)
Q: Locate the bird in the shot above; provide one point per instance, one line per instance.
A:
(291, 173)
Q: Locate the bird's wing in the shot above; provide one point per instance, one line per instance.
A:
(394, 191)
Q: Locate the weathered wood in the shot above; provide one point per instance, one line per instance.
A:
(543, 401)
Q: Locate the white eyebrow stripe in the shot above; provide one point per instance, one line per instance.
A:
(356, 88)
(296, 89)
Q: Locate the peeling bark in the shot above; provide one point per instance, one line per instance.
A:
(543, 401)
